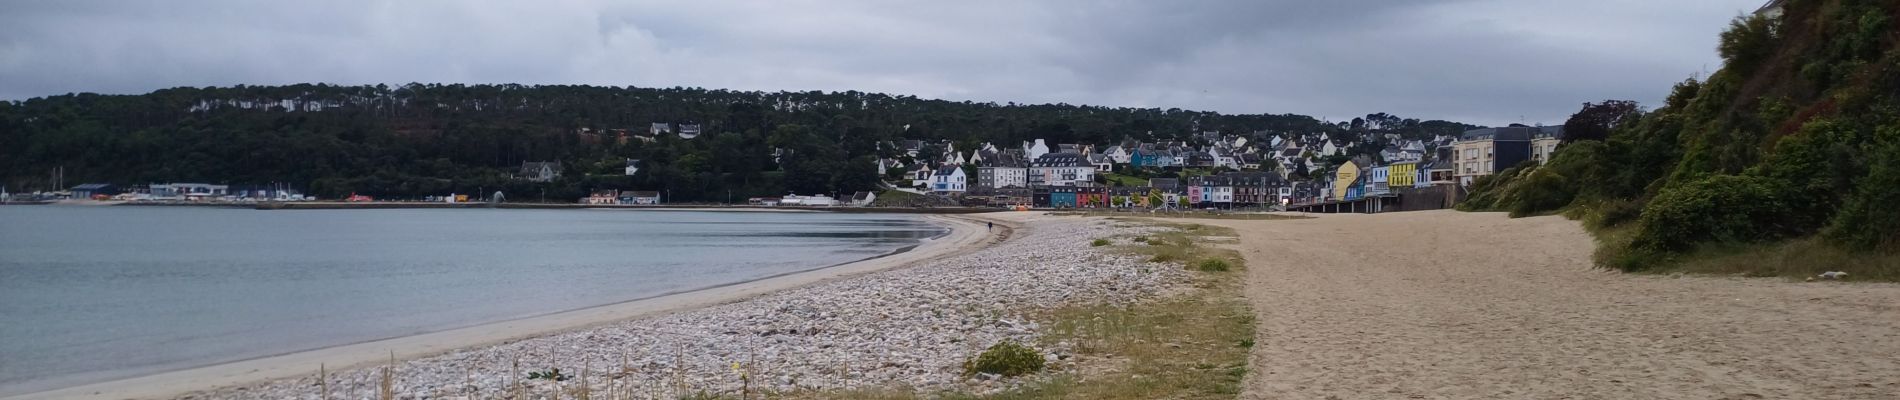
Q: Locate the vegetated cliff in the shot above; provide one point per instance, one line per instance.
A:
(1797, 136)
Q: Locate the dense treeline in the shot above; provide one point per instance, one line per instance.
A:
(418, 140)
(1797, 135)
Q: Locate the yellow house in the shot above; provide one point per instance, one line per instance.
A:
(1343, 178)
(1401, 175)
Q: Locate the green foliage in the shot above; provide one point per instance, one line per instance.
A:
(1005, 358)
(429, 139)
(1719, 209)
(1488, 193)
(1869, 220)
(1099, 243)
(1748, 42)
(1609, 213)
(1798, 134)
(1596, 120)
(1213, 265)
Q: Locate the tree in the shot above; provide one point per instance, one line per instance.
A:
(1596, 120)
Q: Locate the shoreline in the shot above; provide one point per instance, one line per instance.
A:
(334, 205)
(962, 233)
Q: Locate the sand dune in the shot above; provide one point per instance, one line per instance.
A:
(1448, 305)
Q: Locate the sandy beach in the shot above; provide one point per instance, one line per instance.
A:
(1450, 305)
(965, 235)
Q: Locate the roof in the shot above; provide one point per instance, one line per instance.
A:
(535, 166)
(861, 196)
(1510, 133)
(639, 193)
(93, 186)
(1059, 160)
(1098, 159)
(1003, 159)
(948, 171)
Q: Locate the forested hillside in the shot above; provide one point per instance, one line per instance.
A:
(1797, 138)
(418, 140)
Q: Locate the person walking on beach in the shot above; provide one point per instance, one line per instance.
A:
(992, 225)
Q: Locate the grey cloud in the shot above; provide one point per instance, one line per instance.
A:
(1481, 61)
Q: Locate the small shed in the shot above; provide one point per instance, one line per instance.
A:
(92, 190)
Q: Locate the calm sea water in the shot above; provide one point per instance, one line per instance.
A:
(96, 293)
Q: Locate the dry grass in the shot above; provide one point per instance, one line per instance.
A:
(1192, 345)
(1792, 259)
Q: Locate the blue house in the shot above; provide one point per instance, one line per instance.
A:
(1152, 158)
(1062, 197)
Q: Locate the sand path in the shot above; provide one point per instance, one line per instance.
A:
(1448, 305)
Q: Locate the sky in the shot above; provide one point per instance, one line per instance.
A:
(1488, 62)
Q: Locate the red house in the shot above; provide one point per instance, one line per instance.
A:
(1091, 196)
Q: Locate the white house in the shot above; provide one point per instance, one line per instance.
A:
(634, 166)
(689, 131)
(1102, 163)
(1224, 159)
(861, 199)
(1118, 154)
(920, 175)
(1060, 169)
(813, 201)
(1036, 149)
(949, 179)
(539, 171)
(1003, 170)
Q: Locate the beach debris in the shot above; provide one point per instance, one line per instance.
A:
(1836, 275)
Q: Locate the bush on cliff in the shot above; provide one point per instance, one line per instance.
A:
(1721, 208)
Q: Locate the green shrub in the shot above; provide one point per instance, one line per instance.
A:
(1720, 208)
(1488, 192)
(1603, 214)
(1544, 190)
(1099, 243)
(1818, 163)
(1141, 239)
(1213, 265)
(1748, 41)
(1005, 358)
(1869, 221)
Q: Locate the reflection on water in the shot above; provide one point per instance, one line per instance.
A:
(93, 293)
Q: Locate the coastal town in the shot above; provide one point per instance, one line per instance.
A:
(1258, 171)
(1209, 200)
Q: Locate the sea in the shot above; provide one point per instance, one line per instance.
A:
(96, 293)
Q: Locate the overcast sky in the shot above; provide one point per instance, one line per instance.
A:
(1478, 61)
